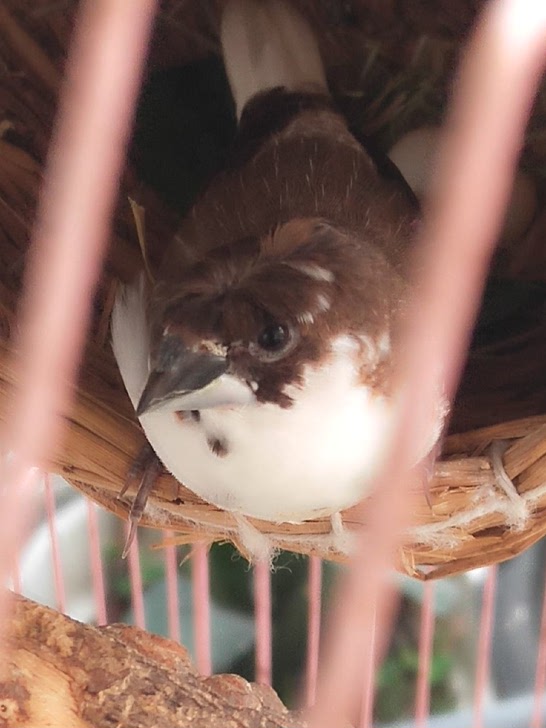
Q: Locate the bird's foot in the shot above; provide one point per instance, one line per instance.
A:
(144, 470)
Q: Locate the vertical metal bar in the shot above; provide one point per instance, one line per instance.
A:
(314, 591)
(201, 608)
(135, 578)
(95, 558)
(540, 674)
(368, 687)
(484, 645)
(58, 576)
(171, 584)
(262, 615)
(426, 638)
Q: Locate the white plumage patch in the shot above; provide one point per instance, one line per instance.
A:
(323, 303)
(315, 458)
(306, 318)
(130, 338)
(268, 44)
(314, 271)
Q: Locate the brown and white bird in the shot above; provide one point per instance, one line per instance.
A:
(260, 362)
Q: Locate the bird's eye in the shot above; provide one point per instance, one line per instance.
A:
(273, 342)
(273, 338)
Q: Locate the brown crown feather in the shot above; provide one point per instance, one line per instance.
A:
(307, 274)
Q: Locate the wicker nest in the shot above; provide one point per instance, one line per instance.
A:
(487, 498)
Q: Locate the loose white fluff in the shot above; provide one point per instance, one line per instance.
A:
(268, 44)
(256, 545)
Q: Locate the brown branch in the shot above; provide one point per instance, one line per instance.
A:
(63, 673)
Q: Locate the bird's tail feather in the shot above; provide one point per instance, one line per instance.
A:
(267, 43)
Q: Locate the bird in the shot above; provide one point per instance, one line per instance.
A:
(260, 360)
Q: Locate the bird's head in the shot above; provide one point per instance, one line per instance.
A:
(243, 324)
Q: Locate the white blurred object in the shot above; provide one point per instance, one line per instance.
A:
(36, 560)
(414, 155)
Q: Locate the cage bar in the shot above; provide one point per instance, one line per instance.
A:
(262, 616)
(314, 595)
(171, 582)
(97, 571)
(201, 608)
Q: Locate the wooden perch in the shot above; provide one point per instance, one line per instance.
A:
(63, 673)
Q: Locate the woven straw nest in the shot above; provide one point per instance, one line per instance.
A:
(472, 516)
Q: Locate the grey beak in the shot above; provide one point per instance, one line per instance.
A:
(186, 373)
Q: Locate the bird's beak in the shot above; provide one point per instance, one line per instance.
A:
(194, 381)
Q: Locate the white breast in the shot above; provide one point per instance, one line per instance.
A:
(315, 458)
